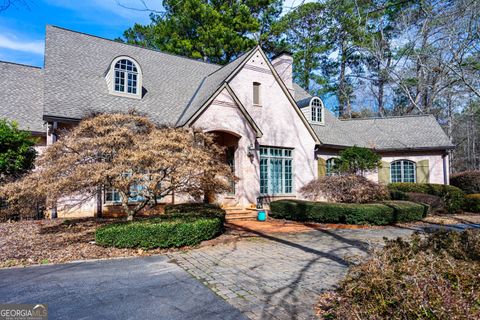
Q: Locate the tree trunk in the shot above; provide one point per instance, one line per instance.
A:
(342, 86)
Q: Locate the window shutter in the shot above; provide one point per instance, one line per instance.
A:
(384, 173)
(322, 167)
(423, 171)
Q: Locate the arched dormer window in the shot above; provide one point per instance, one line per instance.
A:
(403, 171)
(316, 109)
(125, 78)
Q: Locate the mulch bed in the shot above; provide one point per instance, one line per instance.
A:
(56, 241)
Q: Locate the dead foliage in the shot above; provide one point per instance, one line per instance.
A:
(344, 188)
(435, 277)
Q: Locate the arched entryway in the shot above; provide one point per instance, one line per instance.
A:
(229, 141)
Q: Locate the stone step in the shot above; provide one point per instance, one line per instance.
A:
(241, 218)
(242, 214)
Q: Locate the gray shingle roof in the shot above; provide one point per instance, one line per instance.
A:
(389, 133)
(21, 95)
(210, 84)
(75, 68)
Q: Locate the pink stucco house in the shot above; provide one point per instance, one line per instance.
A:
(278, 136)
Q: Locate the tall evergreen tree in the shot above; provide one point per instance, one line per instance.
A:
(303, 31)
(216, 31)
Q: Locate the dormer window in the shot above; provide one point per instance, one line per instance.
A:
(124, 78)
(316, 106)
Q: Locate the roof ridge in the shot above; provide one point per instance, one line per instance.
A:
(389, 117)
(221, 67)
(21, 64)
(136, 45)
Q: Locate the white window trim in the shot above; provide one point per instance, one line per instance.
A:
(322, 110)
(283, 158)
(110, 78)
(402, 170)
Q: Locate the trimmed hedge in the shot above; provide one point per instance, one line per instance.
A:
(351, 213)
(195, 210)
(160, 232)
(405, 211)
(453, 196)
(472, 203)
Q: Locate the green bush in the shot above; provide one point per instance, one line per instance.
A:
(160, 232)
(467, 181)
(431, 277)
(452, 196)
(472, 203)
(405, 211)
(326, 212)
(195, 210)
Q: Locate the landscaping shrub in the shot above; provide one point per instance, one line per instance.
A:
(435, 203)
(195, 209)
(344, 188)
(160, 232)
(405, 211)
(472, 203)
(452, 196)
(326, 212)
(435, 277)
(468, 181)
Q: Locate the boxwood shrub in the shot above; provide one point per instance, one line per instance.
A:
(351, 213)
(405, 211)
(179, 227)
(195, 210)
(453, 196)
(472, 203)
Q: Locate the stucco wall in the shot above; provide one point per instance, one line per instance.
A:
(435, 161)
(276, 117)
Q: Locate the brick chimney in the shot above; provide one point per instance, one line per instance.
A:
(283, 64)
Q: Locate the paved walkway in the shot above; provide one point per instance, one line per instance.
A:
(279, 276)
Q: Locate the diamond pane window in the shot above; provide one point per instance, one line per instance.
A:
(126, 77)
(276, 171)
(403, 171)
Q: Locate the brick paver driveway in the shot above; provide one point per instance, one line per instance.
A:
(279, 276)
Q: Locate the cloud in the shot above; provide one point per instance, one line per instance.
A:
(13, 43)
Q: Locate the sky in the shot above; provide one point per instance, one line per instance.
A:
(22, 25)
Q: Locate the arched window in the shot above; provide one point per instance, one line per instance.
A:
(330, 164)
(126, 75)
(125, 78)
(403, 171)
(316, 106)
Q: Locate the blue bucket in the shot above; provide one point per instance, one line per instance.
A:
(261, 216)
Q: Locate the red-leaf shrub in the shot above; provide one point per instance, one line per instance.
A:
(344, 188)
(468, 181)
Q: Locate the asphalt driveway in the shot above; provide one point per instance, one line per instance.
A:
(137, 288)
